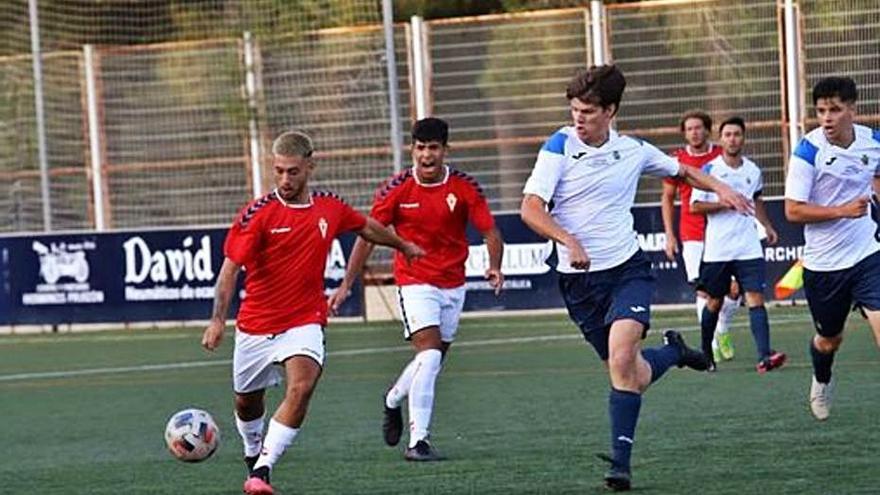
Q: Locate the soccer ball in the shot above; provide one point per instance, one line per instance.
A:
(192, 435)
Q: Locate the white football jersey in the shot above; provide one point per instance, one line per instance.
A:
(592, 191)
(731, 235)
(825, 174)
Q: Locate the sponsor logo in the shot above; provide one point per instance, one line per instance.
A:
(409, 205)
(64, 269)
(280, 230)
(166, 274)
(519, 259)
(830, 161)
(579, 155)
(638, 309)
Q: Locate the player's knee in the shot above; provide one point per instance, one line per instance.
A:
(430, 359)
(827, 345)
(299, 391)
(714, 304)
(622, 362)
(754, 299)
(248, 406)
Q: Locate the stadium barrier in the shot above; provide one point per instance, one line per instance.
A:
(123, 277)
(162, 275)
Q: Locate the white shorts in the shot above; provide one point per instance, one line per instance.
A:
(424, 305)
(257, 362)
(692, 254)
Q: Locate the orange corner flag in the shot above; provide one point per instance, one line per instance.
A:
(791, 281)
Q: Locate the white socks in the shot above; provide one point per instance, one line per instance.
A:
(278, 438)
(701, 303)
(401, 387)
(421, 395)
(728, 308)
(251, 434)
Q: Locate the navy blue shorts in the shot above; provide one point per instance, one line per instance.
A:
(715, 276)
(595, 300)
(832, 295)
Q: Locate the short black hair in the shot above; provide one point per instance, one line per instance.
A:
(829, 87)
(696, 114)
(733, 121)
(431, 129)
(601, 85)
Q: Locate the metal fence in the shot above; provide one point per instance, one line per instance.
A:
(178, 128)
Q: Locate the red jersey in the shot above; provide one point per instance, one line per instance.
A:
(283, 249)
(691, 226)
(433, 216)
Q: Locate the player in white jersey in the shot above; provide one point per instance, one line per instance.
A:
(733, 246)
(833, 175)
(590, 173)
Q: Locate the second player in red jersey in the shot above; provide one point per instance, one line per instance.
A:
(430, 205)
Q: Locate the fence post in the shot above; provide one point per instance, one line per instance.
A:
(393, 97)
(37, 63)
(597, 24)
(420, 66)
(792, 79)
(250, 84)
(94, 137)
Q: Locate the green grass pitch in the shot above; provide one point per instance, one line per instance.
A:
(521, 407)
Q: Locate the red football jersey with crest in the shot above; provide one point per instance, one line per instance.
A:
(435, 217)
(691, 226)
(283, 248)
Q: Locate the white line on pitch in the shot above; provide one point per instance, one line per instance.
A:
(351, 352)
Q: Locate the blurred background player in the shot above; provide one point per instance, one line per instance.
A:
(429, 204)
(733, 245)
(696, 128)
(282, 240)
(591, 173)
(832, 175)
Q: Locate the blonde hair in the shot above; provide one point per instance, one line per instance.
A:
(293, 143)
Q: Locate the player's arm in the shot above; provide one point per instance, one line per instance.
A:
(764, 218)
(798, 188)
(667, 208)
(359, 255)
(707, 207)
(495, 246)
(727, 197)
(804, 212)
(223, 291)
(377, 233)
(533, 212)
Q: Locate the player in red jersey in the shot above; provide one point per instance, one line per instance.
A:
(282, 240)
(429, 204)
(696, 127)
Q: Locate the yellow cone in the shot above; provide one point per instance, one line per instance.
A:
(791, 281)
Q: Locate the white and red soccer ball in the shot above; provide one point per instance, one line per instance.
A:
(192, 435)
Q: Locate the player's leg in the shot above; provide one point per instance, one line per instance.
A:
(420, 307)
(829, 298)
(715, 281)
(751, 276)
(253, 372)
(631, 369)
(691, 254)
(866, 291)
(301, 352)
(722, 346)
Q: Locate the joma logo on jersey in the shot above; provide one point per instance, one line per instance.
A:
(322, 226)
(579, 155)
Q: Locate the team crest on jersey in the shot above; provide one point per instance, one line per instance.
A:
(322, 226)
(451, 200)
(864, 159)
(616, 155)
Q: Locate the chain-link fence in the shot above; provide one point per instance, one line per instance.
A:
(166, 117)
